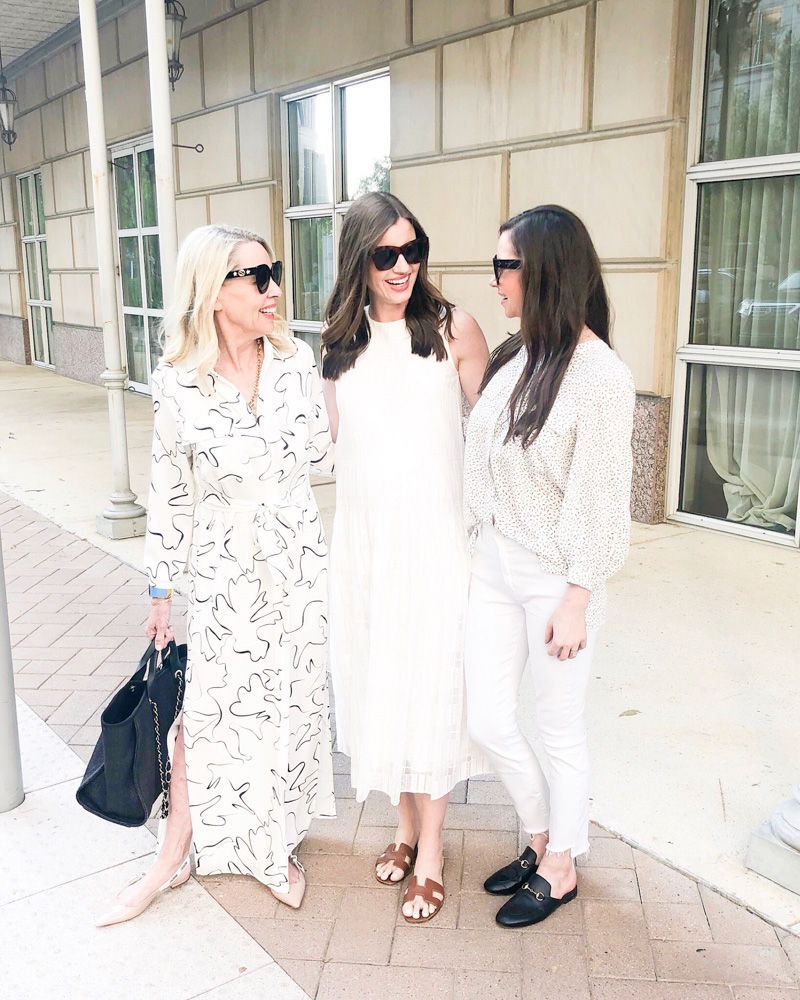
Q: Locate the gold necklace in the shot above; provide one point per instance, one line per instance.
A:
(254, 398)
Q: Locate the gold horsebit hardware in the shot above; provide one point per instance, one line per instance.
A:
(537, 894)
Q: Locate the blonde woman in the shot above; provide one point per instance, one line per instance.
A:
(239, 423)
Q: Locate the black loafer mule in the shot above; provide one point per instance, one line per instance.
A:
(531, 904)
(507, 880)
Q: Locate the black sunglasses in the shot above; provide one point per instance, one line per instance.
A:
(504, 265)
(414, 253)
(263, 272)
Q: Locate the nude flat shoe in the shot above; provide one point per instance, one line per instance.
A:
(119, 913)
(293, 896)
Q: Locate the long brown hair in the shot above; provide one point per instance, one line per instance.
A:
(563, 291)
(346, 332)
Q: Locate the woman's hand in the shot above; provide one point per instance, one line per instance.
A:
(158, 626)
(566, 630)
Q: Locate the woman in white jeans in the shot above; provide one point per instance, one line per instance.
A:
(547, 493)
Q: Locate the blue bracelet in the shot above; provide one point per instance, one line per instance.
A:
(162, 592)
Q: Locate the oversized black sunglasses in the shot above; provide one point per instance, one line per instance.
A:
(263, 272)
(414, 253)
(504, 265)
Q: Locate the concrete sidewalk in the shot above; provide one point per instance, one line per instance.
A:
(639, 930)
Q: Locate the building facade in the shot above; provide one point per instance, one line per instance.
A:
(671, 127)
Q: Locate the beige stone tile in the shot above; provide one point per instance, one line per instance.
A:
(488, 81)
(764, 993)
(488, 793)
(791, 945)
(249, 209)
(28, 150)
(187, 98)
(413, 105)
(744, 965)
(338, 869)
(608, 883)
(77, 295)
(523, 6)
(617, 939)
(334, 836)
(633, 61)
(84, 752)
(615, 185)
(301, 939)
(630, 989)
(55, 139)
(30, 87)
(322, 35)
(472, 293)
(254, 151)
(227, 78)
(481, 817)
(192, 213)
(216, 165)
(320, 902)
(342, 787)
(132, 34)
(241, 896)
(439, 18)
(458, 203)
(306, 974)
(379, 811)
(607, 853)
(661, 884)
(363, 931)
(634, 299)
(442, 948)
(84, 240)
(78, 707)
(364, 982)
(554, 966)
(733, 924)
(677, 922)
(484, 853)
(126, 98)
(472, 985)
(200, 12)
(61, 71)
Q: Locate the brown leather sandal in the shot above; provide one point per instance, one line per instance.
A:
(402, 857)
(426, 891)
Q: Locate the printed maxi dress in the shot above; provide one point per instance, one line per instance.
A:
(231, 501)
(400, 572)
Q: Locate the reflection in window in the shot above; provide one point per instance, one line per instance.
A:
(310, 150)
(312, 255)
(752, 92)
(365, 127)
(747, 282)
(741, 458)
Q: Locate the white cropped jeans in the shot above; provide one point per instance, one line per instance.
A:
(511, 601)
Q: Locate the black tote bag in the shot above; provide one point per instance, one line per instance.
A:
(130, 766)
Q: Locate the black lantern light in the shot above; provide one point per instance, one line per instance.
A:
(175, 16)
(8, 107)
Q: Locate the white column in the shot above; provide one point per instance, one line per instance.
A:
(11, 793)
(124, 517)
(162, 143)
(774, 848)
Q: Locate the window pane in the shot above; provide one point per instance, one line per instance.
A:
(155, 338)
(310, 150)
(37, 182)
(48, 325)
(27, 207)
(312, 257)
(314, 340)
(365, 129)
(135, 348)
(752, 94)
(147, 187)
(34, 288)
(741, 459)
(38, 346)
(45, 270)
(130, 271)
(126, 192)
(152, 267)
(747, 281)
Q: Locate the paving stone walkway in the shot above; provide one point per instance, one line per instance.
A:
(638, 931)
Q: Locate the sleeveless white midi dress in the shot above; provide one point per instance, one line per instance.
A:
(400, 572)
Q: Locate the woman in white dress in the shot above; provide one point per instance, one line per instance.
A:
(396, 359)
(547, 487)
(239, 421)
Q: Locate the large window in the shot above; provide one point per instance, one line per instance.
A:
(738, 375)
(37, 272)
(336, 148)
(139, 260)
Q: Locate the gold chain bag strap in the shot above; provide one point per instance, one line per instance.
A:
(165, 770)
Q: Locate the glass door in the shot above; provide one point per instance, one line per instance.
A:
(139, 261)
(37, 272)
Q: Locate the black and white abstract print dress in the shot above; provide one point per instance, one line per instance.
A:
(231, 503)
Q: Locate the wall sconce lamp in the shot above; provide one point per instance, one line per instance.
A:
(8, 107)
(175, 16)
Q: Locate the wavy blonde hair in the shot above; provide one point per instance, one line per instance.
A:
(205, 257)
